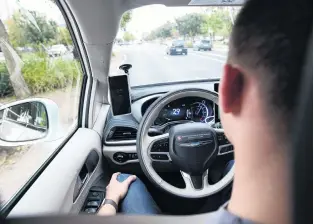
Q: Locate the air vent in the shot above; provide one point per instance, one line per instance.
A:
(121, 134)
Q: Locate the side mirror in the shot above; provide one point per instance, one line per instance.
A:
(29, 121)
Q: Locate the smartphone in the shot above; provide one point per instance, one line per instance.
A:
(217, 113)
(119, 94)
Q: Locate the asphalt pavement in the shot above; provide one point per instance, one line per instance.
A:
(152, 65)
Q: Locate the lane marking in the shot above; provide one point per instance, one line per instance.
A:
(166, 58)
(221, 49)
(218, 55)
(220, 61)
(209, 54)
(214, 59)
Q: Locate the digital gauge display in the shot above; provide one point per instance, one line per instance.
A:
(201, 112)
(189, 108)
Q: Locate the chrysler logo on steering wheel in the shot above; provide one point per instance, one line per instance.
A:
(194, 144)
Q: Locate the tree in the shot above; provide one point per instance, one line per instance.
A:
(63, 36)
(128, 36)
(16, 34)
(14, 65)
(165, 30)
(220, 23)
(191, 24)
(126, 18)
(40, 31)
(31, 28)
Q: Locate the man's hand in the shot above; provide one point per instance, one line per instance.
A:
(117, 190)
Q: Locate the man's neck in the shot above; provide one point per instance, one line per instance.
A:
(260, 187)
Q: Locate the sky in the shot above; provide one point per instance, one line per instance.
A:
(147, 18)
(8, 7)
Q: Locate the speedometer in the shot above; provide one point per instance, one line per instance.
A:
(199, 111)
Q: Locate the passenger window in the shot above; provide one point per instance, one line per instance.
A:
(37, 60)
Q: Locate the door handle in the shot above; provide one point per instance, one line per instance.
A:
(84, 175)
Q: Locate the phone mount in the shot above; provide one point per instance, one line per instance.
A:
(125, 68)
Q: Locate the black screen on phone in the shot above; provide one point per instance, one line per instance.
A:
(217, 114)
(119, 94)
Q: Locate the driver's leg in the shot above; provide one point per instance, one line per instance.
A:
(138, 200)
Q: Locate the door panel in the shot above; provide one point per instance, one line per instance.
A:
(53, 191)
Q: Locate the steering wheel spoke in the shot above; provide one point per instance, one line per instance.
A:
(158, 148)
(195, 182)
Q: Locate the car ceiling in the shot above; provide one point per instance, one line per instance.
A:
(98, 23)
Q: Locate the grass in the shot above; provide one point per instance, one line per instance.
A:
(3, 68)
(41, 74)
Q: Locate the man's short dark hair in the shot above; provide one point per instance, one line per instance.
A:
(270, 37)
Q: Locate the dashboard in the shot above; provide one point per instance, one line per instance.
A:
(184, 109)
(120, 132)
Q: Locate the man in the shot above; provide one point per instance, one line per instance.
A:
(257, 98)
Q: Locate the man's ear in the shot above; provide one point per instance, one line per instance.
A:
(231, 89)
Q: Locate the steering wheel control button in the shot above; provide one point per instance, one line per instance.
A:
(225, 149)
(161, 146)
(159, 157)
(222, 139)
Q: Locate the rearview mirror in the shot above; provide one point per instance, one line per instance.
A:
(27, 121)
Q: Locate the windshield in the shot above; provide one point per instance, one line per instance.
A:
(161, 43)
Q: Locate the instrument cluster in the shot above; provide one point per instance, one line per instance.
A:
(187, 109)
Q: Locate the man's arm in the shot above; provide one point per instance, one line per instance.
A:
(115, 191)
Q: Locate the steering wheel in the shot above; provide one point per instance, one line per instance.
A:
(193, 147)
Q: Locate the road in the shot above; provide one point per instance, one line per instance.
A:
(152, 65)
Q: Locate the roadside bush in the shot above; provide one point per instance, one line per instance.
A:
(3, 68)
(6, 88)
(43, 74)
(188, 44)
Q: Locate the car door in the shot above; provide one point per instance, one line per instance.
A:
(50, 147)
